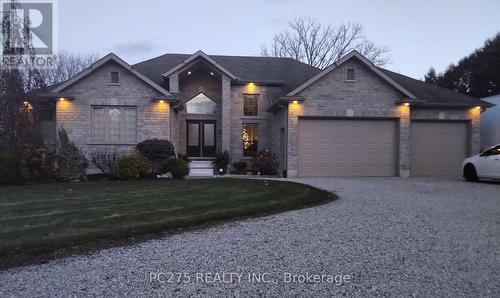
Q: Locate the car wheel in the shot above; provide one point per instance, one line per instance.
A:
(470, 173)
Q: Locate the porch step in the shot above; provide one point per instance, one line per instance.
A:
(200, 168)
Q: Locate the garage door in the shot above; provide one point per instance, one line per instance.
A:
(438, 148)
(347, 147)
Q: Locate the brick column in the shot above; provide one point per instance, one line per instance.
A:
(294, 111)
(475, 116)
(226, 113)
(404, 141)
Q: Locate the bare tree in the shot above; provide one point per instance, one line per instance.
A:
(320, 45)
(68, 65)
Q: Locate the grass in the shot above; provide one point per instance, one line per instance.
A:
(39, 220)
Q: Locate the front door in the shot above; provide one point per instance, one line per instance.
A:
(201, 138)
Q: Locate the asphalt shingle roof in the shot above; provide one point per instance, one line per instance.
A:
(290, 72)
(431, 93)
(293, 73)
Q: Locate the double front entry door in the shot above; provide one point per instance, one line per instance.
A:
(201, 138)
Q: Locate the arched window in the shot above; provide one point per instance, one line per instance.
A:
(200, 104)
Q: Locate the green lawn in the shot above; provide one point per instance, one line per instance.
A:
(41, 219)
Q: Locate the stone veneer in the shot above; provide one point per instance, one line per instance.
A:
(368, 96)
(153, 118)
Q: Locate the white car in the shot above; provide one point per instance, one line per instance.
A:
(485, 165)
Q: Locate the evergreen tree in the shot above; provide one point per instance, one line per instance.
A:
(477, 74)
(431, 76)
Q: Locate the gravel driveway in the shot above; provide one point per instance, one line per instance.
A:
(385, 236)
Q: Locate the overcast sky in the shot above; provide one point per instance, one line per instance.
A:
(419, 34)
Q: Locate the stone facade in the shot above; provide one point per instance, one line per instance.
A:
(264, 119)
(75, 115)
(368, 96)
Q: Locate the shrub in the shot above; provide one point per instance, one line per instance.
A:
(37, 164)
(106, 160)
(71, 163)
(222, 160)
(240, 167)
(8, 167)
(183, 157)
(133, 166)
(156, 151)
(265, 162)
(179, 168)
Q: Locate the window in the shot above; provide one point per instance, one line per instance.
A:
(115, 77)
(201, 104)
(492, 151)
(250, 139)
(114, 124)
(351, 74)
(251, 105)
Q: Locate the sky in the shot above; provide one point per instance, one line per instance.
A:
(419, 34)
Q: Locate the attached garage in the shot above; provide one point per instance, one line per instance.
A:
(438, 148)
(347, 147)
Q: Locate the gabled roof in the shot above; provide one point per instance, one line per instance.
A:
(110, 57)
(286, 72)
(194, 57)
(341, 61)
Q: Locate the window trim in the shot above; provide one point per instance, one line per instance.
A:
(347, 74)
(257, 125)
(107, 140)
(257, 96)
(201, 114)
(111, 78)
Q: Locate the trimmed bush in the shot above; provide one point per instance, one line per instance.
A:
(265, 162)
(156, 151)
(71, 163)
(8, 168)
(133, 166)
(222, 160)
(240, 167)
(179, 168)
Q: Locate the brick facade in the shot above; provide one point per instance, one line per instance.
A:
(369, 96)
(153, 118)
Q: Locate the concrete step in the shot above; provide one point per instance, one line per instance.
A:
(200, 164)
(201, 172)
(201, 168)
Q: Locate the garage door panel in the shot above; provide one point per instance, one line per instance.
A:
(438, 148)
(347, 147)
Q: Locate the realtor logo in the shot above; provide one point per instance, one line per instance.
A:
(29, 37)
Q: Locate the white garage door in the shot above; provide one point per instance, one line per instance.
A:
(438, 148)
(343, 147)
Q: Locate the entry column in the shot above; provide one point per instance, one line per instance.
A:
(226, 112)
